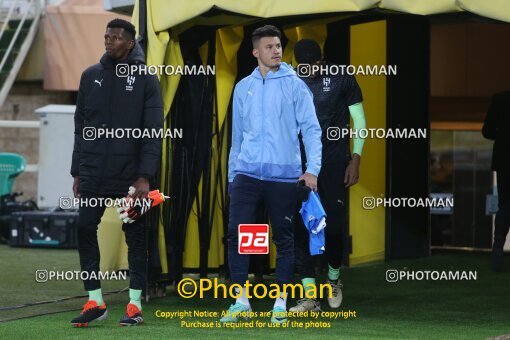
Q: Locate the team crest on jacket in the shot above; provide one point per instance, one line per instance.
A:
(326, 82)
(130, 80)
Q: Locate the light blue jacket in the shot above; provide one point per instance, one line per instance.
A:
(267, 117)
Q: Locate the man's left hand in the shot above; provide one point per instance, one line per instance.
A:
(142, 188)
(352, 171)
(310, 180)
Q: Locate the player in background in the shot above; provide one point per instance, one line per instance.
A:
(334, 98)
(495, 127)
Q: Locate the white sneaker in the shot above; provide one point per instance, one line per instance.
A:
(236, 312)
(336, 300)
(305, 305)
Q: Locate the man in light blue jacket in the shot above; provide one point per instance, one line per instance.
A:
(271, 106)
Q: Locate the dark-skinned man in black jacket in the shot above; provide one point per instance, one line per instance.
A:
(106, 167)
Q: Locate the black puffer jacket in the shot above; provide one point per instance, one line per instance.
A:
(108, 166)
(495, 127)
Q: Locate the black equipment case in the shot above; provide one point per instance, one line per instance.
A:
(48, 229)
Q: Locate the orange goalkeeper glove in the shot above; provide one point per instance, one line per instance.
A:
(133, 209)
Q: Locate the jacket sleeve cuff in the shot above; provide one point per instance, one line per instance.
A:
(314, 170)
(147, 177)
(74, 171)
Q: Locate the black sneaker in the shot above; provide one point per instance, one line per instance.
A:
(133, 316)
(90, 312)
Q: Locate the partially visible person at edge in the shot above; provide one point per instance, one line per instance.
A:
(495, 127)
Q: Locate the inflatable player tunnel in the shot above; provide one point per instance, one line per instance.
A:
(191, 229)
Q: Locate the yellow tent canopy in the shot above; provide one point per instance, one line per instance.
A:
(166, 20)
(169, 14)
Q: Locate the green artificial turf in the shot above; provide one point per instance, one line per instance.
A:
(408, 309)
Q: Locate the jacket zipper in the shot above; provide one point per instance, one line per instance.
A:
(262, 127)
(108, 126)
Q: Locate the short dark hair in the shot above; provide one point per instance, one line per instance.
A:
(128, 27)
(307, 51)
(265, 31)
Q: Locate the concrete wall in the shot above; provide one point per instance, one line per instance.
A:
(20, 104)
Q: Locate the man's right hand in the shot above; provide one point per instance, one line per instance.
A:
(76, 184)
(310, 180)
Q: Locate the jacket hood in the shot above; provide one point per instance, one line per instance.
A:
(136, 56)
(284, 71)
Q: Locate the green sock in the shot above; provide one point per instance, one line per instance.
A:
(333, 274)
(308, 285)
(135, 296)
(97, 296)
